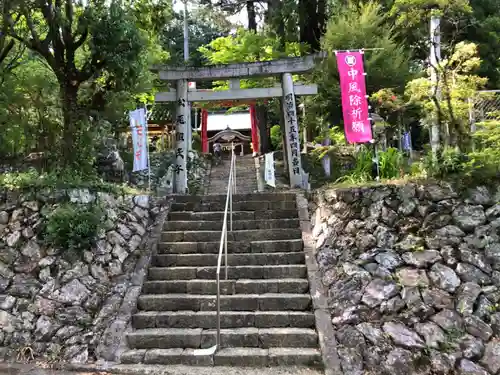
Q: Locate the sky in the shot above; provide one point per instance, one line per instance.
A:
(240, 18)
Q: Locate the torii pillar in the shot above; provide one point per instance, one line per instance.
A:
(182, 121)
(291, 132)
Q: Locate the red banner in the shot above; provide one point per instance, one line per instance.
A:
(357, 124)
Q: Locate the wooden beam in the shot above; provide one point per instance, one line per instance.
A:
(242, 94)
(243, 70)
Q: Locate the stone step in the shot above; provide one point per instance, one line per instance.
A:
(228, 319)
(237, 215)
(194, 338)
(237, 224)
(275, 197)
(237, 302)
(235, 235)
(242, 286)
(279, 246)
(242, 259)
(231, 357)
(295, 271)
(251, 357)
(237, 206)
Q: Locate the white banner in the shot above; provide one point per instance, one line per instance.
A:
(269, 175)
(139, 130)
(326, 159)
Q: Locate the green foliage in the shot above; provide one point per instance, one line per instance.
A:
(73, 227)
(205, 25)
(29, 110)
(196, 168)
(449, 161)
(247, 46)
(390, 163)
(94, 67)
(197, 142)
(457, 84)
(335, 134)
(362, 171)
(32, 180)
(276, 137)
(485, 161)
(411, 13)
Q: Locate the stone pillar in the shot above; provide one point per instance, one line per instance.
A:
(291, 132)
(181, 129)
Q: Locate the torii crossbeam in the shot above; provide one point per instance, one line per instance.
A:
(234, 72)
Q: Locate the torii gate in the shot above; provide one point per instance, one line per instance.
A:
(287, 90)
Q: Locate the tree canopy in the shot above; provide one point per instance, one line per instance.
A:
(70, 70)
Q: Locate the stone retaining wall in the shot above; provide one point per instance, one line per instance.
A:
(58, 305)
(413, 276)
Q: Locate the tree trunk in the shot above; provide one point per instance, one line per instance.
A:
(252, 18)
(321, 19)
(309, 23)
(275, 18)
(69, 100)
(264, 141)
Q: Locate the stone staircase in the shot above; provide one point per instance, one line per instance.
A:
(246, 177)
(266, 312)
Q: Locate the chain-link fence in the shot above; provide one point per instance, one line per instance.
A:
(484, 106)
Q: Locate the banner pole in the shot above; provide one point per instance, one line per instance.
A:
(147, 145)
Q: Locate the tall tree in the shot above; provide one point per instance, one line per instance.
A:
(312, 19)
(78, 42)
(253, 8)
(205, 24)
(387, 66)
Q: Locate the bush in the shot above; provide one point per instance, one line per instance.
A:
(34, 180)
(362, 168)
(73, 227)
(391, 163)
(450, 161)
(276, 137)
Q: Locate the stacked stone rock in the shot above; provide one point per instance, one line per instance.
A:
(413, 276)
(53, 304)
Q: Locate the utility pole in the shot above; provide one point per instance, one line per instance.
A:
(189, 138)
(186, 32)
(434, 60)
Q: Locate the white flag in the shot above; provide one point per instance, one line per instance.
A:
(269, 175)
(139, 129)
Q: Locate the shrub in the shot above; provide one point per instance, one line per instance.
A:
(362, 168)
(276, 137)
(391, 163)
(73, 227)
(64, 179)
(450, 161)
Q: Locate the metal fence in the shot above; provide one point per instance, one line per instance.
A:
(484, 106)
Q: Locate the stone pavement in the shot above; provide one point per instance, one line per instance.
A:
(246, 176)
(17, 369)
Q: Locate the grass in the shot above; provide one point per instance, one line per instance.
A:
(32, 180)
(396, 181)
